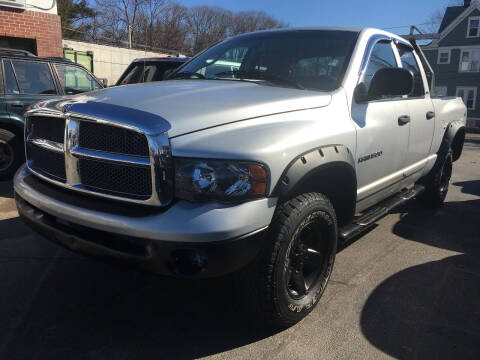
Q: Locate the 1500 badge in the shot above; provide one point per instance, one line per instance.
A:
(370, 156)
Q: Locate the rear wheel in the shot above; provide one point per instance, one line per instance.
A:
(11, 154)
(437, 182)
(290, 275)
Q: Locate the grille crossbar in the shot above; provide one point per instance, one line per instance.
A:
(120, 169)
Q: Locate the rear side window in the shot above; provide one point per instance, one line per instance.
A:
(133, 76)
(75, 80)
(34, 77)
(12, 87)
(409, 63)
(382, 57)
(147, 72)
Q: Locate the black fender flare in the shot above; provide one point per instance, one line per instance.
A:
(455, 137)
(316, 165)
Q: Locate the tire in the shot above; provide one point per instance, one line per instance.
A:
(290, 275)
(438, 180)
(11, 153)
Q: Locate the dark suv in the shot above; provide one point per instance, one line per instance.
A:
(150, 69)
(25, 79)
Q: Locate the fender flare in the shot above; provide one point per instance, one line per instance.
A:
(306, 164)
(455, 137)
(311, 171)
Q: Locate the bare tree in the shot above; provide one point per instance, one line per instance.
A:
(148, 18)
(166, 24)
(172, 28)
(247, 21)
(117, 16)
(207, 25)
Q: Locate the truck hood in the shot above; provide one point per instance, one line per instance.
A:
(185, 106)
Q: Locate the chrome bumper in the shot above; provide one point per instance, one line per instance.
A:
(181, 222)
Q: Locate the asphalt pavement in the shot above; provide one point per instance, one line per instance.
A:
(409, 289)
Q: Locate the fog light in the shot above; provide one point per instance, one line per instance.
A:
(188, 262)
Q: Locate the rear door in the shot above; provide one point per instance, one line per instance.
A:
(27, 82)
(421, 109)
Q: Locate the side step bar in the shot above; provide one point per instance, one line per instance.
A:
(371, 216)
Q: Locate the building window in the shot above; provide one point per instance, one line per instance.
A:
(473, 27)
(441, 90)
(469, 96)
(443, 57)
(470, 60)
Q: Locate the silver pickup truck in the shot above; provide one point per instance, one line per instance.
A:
(254, 159)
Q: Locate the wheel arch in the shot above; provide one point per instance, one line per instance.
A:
(13, 124)
(455, 134)
(329, 170)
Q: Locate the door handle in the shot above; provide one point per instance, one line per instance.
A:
(430, 115)
(18, 105)
(402, 120)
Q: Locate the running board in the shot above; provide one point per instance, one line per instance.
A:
(371, 216)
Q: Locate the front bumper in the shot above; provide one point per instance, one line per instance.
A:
(209, 239)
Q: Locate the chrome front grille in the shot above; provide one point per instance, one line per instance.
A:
(49, 163)
(118, 140)
(123, 180)
(99, 157)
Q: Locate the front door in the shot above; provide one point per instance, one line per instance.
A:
(382, 138)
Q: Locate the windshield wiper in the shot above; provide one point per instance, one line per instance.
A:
(186, 75)
(259, 75)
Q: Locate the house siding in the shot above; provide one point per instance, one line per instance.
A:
(458, 36)
(448, 75)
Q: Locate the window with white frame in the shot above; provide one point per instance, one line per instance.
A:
(473, 26)
(470, 60)
(443, 57)
(469, 96)
(441, 90)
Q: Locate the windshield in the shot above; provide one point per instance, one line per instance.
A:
(303, 59)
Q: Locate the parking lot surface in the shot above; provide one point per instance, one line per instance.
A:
(409, 288)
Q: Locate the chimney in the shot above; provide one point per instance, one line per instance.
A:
(467, 3)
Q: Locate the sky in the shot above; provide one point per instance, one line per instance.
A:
(384, 14)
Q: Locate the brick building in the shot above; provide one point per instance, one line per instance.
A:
(31, 25)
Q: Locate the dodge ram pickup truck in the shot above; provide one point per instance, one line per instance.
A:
(255, 169)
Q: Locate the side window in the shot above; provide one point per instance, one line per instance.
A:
(382, 57)
(34, 77)
(133, 76)
(75, 80)
(12, 87)
(409, 63)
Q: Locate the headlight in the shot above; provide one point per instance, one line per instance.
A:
(197, 179)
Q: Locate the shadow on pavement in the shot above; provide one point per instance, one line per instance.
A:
(77, 308)
(469, 187)
(6, 189)
(432, 310)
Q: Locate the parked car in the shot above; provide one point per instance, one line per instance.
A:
(25, 79)
(257, 170)
(149, 69)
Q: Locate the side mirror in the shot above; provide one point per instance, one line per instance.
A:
(105, 82)
(386, 82)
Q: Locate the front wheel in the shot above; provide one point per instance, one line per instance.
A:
(291, 274)
(11, 154)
